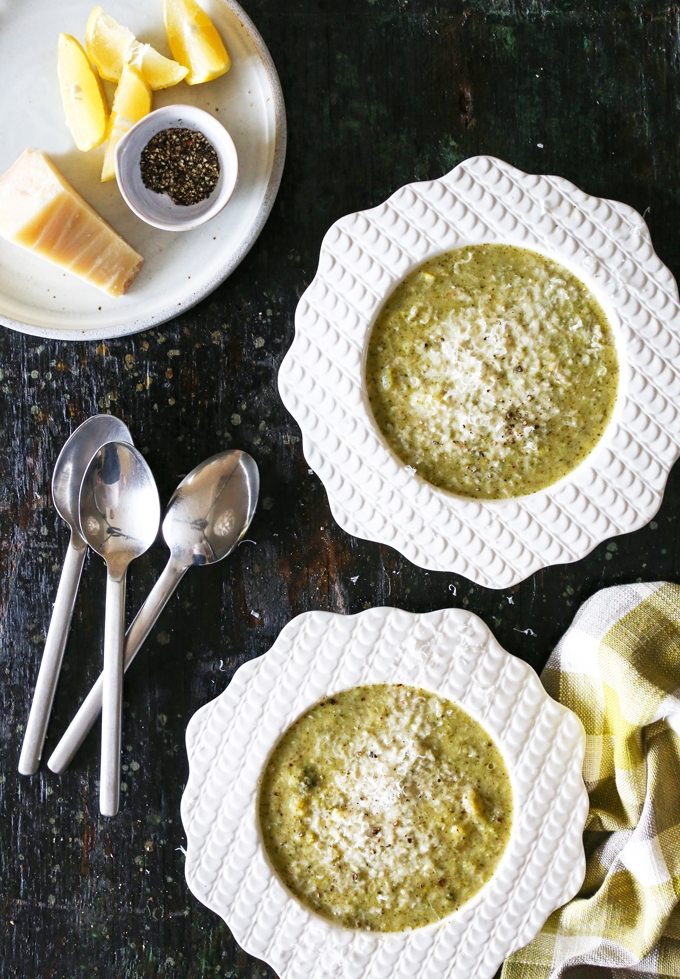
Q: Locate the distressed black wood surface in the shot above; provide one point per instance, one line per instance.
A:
(378, 93)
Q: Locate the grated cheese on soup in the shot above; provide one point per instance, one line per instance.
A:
(385, 807)
(492, 371)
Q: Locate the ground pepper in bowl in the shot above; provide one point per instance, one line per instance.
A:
(181, 163)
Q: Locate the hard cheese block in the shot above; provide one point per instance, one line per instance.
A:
(40, 211)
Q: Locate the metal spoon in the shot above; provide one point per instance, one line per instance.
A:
(68, 475)
(119, 516)
(209, 513)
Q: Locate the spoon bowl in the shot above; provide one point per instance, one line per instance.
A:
(74, 459)
(68, 475)
(119, 514)
(212, 508)
(119, 506)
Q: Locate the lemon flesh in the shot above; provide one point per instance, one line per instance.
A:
(131, 103)
(110, 46)
(194, 41)
(85, 106)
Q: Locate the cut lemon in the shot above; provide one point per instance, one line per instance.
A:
(194, 41)
(111, 46)
(84, 104)
(131, 103)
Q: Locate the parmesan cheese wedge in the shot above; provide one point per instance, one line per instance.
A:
(41, 212)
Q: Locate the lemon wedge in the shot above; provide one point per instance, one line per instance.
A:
(131, 102)
(111, 46)
(194, 41)
(86, 110)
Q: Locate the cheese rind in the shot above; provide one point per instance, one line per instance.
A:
(40, 211)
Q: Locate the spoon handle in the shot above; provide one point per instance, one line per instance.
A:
(50, 666)
(112, 695)
(88, 712)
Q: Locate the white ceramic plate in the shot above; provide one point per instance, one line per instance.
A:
(179, 269)
(452, 653)
(618, 488)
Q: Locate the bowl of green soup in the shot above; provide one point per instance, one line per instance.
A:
(381, 787)
(482, 372)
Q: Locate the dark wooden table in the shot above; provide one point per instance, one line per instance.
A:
(378, 93)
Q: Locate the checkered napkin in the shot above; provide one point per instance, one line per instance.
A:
(618, 669)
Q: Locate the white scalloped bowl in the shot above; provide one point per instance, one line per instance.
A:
(452, 653)
(372, 494)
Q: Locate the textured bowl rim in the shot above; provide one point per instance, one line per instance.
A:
(453, 653)
(372, 494)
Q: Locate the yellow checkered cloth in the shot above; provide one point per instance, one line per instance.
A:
(618, 669)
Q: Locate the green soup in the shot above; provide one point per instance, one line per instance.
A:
(492, 371)
(385, 807)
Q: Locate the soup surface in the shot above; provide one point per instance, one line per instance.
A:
(385, 807)
(492, 371)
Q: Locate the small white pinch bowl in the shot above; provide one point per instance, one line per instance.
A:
(452, 653)
(157, 209)
(372, 493)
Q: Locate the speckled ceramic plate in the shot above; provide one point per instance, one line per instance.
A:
(372, 494)
(452, 653)
(179, 269)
